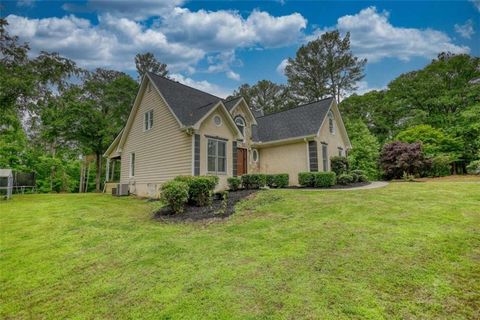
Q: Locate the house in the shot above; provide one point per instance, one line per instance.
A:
(176, 130)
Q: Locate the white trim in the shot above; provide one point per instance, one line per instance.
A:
(147, 119)
(114, 144)
(216, 116)
(281, 141)
(248, 109)
(216, 158)
(253, 155)
(228, 117)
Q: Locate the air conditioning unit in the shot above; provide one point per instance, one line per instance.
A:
(121, 190)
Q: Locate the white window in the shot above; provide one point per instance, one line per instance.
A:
(217, 120)
(148, 120)
(240, 124)
(340, 151)
(255, 155)
(325, 156)
(217, 156)
(132, 164)
(331, 122)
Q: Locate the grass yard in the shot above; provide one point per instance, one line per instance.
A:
(406, 251)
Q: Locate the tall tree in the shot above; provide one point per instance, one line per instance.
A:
(265, 96)
(97, 111)
(146, 62)
(324, 67)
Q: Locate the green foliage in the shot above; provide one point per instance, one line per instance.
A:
(277, 180)
(175, 194)
(56, 174)
(324, 67)
(339, 165)
(254, 181)
(200, 188)
(306, 179)
(357, 174)
(474, 167)
(362, 178)
(440, 166)
(365, 151)
(146, 62)
(234, 183)
(345, 179)
(325, 179)
(399, 158)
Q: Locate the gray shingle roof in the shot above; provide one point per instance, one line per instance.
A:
(297, 122)
(231, 103)
(188, 104)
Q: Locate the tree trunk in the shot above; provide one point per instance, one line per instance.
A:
(98, 175)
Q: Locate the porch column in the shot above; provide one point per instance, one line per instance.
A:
(107, 174)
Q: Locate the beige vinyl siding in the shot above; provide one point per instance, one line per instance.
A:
(286, 158)
(334, 141)
(161, 153)
(224, 131)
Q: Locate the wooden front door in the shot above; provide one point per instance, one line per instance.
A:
(241, 161)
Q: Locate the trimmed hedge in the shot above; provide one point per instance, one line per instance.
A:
(254, 180)
(325, 179)
(356, 174)
(200, 188)
(234, 183)
(175, 194)
(317, 179)
(277, 180)
(345, 179)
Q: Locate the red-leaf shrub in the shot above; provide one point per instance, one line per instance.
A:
(398, 157)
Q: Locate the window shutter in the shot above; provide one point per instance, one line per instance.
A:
(313, 156)
(234, 157)
(196, 161)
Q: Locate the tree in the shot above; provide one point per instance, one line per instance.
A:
(146, 62)
(265, 96)
(365, 148)
(97, 111)
(398, 158)
(324, 67)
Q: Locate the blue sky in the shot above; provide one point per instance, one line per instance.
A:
(218, 45)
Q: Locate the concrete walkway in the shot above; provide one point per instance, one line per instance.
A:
(373, 185)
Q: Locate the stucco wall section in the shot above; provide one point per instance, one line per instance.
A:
(289, 158)
(224, 131)
(334, 141)
(161, 153)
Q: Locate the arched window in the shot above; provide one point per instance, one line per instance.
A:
(255, 155)
(331, 122)
(240, 124)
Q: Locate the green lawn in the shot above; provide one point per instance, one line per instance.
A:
(410, 250)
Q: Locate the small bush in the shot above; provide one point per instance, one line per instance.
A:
(254, 181)
(339, 165)
(175, 194)
(474, 167)
(281, 180)
(234, 183)
(345, 179)
(325, 179)
(362, 178)
(356, 175)
(306, 179)
(200, 188)
(270, 180)
(440, 166)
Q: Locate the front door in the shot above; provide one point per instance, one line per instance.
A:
(241, 161)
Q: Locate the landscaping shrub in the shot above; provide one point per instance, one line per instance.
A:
(399, 157)
(339, 165)
(356, 175)
(175, 194)
(474, 167)
(200, 188)
(440, 166)
(254, 181)
(345, 179)
(325, 179)
(362, 178)
(234, 183)
(306, 179)
(281, 180)
(270, 180)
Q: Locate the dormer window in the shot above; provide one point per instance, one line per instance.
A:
(331, 122)
(240, 124)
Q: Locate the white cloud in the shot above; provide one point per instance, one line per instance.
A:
(233, 75)
(281, 67)
(375, 38)
(137, 10)
(202, 85)
(25, 3)
(476, 3)
(465, 30)
(363, 87)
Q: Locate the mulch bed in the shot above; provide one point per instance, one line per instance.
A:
(217, 210)
(337, 186)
